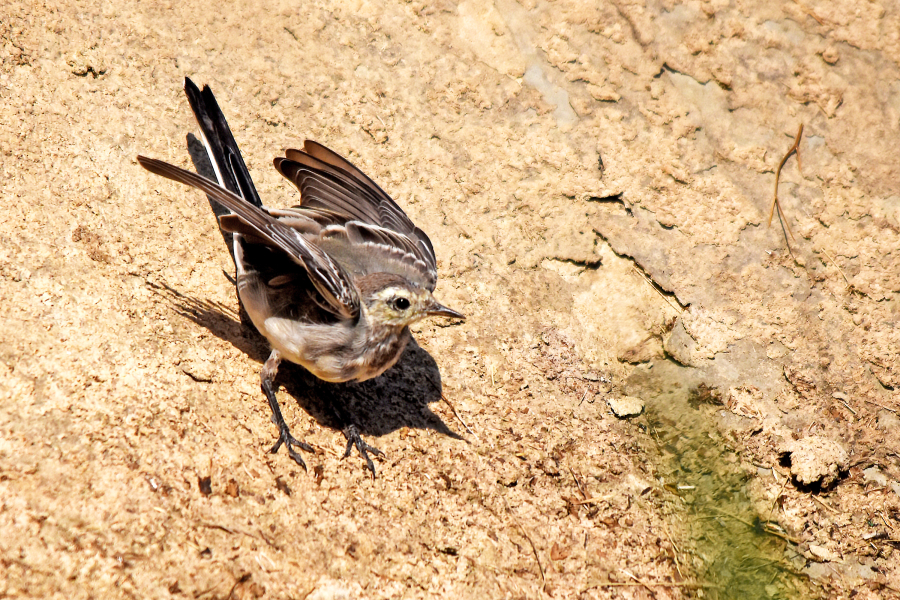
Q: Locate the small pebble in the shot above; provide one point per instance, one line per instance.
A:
(626, 406)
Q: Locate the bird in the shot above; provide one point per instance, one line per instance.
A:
(333, 283)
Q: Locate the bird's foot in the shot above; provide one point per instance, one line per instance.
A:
(354, 439)
(290, 442)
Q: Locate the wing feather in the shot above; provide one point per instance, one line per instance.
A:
(329, 182)
(328, 276)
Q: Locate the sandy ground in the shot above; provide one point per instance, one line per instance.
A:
(597, 183)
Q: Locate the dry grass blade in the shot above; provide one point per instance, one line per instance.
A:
(453, 409)
(459, 418)
(794, 149)
(882, 406)
(834, 262)
(647, 587)
(578, 483)
(672, 584)
(656, 289)
(675, 550)
(537, 557)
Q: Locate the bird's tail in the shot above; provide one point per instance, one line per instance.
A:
(224, 158)
(223, 152)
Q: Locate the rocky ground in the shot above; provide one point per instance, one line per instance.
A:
(597, 182)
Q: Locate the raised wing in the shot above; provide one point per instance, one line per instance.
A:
(328, 276)
(329, 183)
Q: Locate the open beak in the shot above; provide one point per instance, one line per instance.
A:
(439, 310)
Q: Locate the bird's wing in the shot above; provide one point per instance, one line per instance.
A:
(331, 183)
(365, 249)
(328, 276)
(360, 248)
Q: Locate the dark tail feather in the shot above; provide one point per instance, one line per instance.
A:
(223, 151)
(223, 158)
(222, 155)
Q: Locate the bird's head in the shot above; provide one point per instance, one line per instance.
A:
(394, 301)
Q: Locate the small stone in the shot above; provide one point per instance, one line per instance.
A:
(888, 421)
(232, 489)
(862, 571)
(816, 459)
(830, 55)
(822, 553)
(875, 475)
(743, 401)
(626, 406)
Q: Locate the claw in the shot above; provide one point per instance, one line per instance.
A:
(354, 439)
(290, 441)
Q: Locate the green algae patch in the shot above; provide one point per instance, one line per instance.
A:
(734, 551)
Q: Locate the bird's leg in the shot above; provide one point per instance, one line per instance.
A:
(269, 370)
(354, 439)
(351, 432)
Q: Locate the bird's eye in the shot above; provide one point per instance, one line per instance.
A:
(401, 303)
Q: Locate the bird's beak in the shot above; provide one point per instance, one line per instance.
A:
(439, 310)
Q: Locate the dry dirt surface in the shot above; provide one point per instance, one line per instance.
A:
(596, 178)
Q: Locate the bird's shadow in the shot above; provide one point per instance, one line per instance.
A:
(398, 398)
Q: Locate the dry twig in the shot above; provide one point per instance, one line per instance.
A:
(578, 483)
(834, 262)
(787, 478)
(844, 402)
(438, 389)
(674, 550)
(459, 418)
(893, 410)
(537, 558)
(794, 149)
(673, 584)
(647, 587)
(823, 503)
(655, 287)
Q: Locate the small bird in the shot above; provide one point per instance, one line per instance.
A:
(334, 283)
